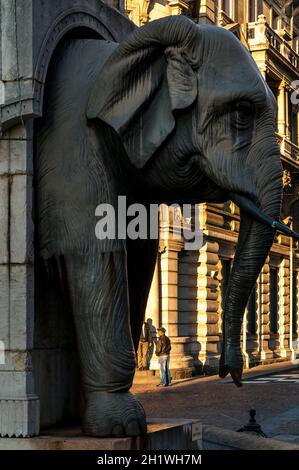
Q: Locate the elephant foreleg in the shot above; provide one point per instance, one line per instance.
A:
(98, 293)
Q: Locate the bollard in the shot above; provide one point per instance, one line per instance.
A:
(252, 425)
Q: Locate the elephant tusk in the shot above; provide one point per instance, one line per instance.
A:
(285, 229)
(248, 206)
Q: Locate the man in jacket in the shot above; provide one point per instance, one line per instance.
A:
(163, 348)
(144, 344)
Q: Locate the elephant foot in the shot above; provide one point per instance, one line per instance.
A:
(234, 371)
(223, 368)
(236, 375)
(231, 363)
(113, 415)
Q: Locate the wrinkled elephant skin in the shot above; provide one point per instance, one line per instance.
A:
(177, 113)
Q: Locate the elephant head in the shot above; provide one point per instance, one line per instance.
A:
(172, 71)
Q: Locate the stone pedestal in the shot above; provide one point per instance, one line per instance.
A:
(163, 434)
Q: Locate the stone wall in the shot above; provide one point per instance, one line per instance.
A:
(19, 405)
(40, 368)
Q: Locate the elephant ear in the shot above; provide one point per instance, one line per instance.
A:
(144, 81)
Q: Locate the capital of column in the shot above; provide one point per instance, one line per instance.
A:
(177, 7)
(170, 244)
(282, 85)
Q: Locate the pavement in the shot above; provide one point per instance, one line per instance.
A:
(272, 390)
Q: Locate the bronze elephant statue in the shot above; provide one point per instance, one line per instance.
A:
(176, 113)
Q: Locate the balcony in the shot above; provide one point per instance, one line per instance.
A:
(287, 148)
(260, 35)
(224, 19)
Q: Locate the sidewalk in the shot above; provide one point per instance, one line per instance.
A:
(274, 394)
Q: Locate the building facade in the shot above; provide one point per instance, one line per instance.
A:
(39, 383)
(188, 286)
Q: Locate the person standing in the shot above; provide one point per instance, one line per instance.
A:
(144, 344)
(163, 348)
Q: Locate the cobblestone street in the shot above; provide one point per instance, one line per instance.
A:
(220, 403)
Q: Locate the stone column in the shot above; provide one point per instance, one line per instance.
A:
(19, 406)
(264, 312)
(288, 106)
(152, 313)
(281, 104)
(171, 244)
(244, 341)
(180, 361)
(208, 305)
(284, 307)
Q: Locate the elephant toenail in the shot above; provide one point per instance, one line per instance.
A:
(118, 431)
(132, 429)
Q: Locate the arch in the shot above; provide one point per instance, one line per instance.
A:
(55, 357)
(66, 22)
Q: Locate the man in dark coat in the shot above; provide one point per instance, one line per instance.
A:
(144, 344)
(163, 348)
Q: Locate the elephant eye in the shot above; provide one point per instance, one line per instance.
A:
(242, 115)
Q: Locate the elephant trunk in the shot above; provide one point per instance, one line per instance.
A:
(254, 243)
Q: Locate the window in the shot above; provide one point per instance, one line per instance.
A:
(231, 8)
(252, 312)
(236, 10)
(293, 122)
(226, 6)
(273, 300)
(275, 20)
(255, 8)
(251, 11)
(295, 303)
(273, 85)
